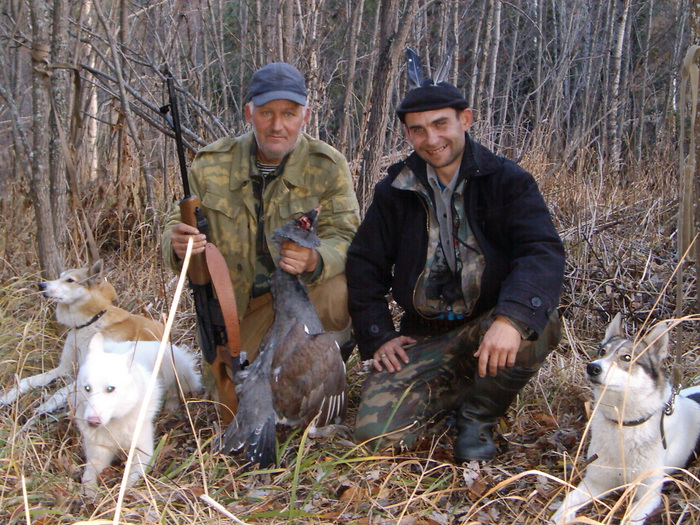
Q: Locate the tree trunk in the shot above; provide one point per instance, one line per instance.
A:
(641, 98)
(124, 99)
(316, 91)
(477, 48)
(49, 257)
(288, 47)
(455, 37)
(493, 61)
(695, 253)
(538, 67)
(356, 27)
(258, 42)
(479, 102)
(615, 126)
(393, 46)
(60, 78)
(506, 91)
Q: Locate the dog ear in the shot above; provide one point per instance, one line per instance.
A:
(95, 272)
(656, 340)
(97, 343)
(614, 328)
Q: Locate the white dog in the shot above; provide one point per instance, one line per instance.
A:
(110, 388)
(639, 430)
(84, 304)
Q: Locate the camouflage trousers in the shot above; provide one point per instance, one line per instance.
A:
(440, 376)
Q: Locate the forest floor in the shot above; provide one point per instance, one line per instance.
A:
(620, 257)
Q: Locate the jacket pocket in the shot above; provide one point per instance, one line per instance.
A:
(230, 205)
(296, 205)
(344, 203)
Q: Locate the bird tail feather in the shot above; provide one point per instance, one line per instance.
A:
(261, 447)
(259, 442)
(413, 69)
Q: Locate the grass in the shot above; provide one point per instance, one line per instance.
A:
(620, 256)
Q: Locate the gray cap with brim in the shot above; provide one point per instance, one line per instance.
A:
(277, 81)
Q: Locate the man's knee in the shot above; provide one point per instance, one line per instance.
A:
(379, 435)
(330, 298)
(387, 415)
(534, 353)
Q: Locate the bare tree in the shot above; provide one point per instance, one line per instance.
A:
(615, 127)
(60, 78)
(47, 248)
(392, 48)
(571, 79)
(355, 28)
(493, 61)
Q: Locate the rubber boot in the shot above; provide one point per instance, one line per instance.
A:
(487, 401)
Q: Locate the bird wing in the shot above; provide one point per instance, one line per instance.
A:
(253, 427)
(308, 378)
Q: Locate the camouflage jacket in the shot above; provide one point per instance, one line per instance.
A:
(522, 271)
(314, 174)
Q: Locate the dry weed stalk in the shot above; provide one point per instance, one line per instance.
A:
(621, 254)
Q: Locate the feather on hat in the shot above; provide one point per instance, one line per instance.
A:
(429, 94)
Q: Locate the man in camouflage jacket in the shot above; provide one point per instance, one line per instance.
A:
(255, 183)
(464, 243)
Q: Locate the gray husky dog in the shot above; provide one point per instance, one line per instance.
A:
(640, 429)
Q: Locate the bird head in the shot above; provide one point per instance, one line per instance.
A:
(301, 230)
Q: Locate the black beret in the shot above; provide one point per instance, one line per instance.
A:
(430, 96)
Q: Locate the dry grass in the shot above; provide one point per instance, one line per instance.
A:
(620, 255)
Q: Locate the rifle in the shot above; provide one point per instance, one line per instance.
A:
(217, 335)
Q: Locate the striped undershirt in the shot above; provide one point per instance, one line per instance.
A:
(265, 169)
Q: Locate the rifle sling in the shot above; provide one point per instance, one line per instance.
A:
(227, 298)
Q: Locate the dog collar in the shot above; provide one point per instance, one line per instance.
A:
(93, 320)
(642, 420)
(634, 422)
(667, 411)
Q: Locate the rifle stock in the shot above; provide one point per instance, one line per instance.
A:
(191, 214)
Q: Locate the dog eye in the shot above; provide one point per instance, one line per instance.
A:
(70, 280)
(110, 389)
(626, 358)
(87, 388)
(601, 352)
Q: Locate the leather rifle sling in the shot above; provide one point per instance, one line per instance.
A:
(221, 280)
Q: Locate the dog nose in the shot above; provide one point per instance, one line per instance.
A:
(94, 421)
(593, 369)
(42, 286)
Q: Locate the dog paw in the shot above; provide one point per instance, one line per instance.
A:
(89, 490)
(8, 398)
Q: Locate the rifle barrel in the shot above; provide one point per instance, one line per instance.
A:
(177, 128)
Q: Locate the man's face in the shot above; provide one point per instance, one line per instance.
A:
(438, 137)
(277, 126)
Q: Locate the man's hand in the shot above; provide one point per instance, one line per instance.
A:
(297, 259)
(499, 347)
(392, 353)
(179, 236)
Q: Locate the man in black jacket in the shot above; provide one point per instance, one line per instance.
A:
(464, 243)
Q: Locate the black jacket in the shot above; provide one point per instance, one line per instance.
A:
(523, 252)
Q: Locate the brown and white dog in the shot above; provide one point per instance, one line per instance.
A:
(85, 305)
